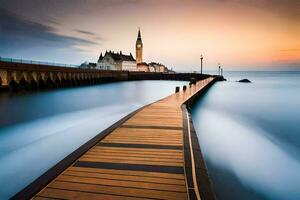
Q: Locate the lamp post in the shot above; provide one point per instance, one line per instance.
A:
(201, 63)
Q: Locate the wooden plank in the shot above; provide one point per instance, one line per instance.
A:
(122, 191)
(128, 141)
(147, 138)
(126, 177)
(121, 183)
(129, 172)
(141, 146)
(146, 116)
(154, 120)
(149, 125)
(174, 138)
(140, 153)
(140, 139)
(138, 149)
(152, 153)
(67, 194)
(128, 166)
(144, 162)
(166, 137)
(133, 155)
(128, 158)
(150, 135)
(153, 126)
(148, 132)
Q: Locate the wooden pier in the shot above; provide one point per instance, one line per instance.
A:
(151, 154)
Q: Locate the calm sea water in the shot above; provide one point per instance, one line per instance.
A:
(250, 135)
(37, 130)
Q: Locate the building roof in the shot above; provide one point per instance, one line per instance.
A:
(154, 63)
(87, 65)
(142, 64)
(100, 57)
(92, 64)
(117, 56)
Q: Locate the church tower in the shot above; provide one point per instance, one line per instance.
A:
(139, 48)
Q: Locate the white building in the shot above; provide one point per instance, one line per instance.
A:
(116, 61)
(157, 67)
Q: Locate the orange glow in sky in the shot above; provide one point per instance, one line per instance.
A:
(239, 34)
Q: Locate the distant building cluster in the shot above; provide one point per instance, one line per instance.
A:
(111, 60)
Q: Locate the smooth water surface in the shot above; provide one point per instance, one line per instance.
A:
(250, 135)
(38, 130)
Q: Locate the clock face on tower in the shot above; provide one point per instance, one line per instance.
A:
(139, 46)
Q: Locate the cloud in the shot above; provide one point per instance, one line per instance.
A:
(17, 32)
(52, 21)
(91, 35)
(84, 32)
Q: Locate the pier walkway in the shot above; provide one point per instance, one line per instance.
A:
(149, 156)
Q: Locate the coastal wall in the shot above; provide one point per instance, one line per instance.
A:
(18, 76)
(26, 76)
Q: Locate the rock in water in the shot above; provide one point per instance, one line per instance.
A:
(244, 81)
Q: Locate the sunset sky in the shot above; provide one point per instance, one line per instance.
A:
(239, 34)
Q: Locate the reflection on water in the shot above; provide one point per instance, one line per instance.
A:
(39, 129)
(249, 134)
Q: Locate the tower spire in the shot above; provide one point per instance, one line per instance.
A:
(139, 35)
